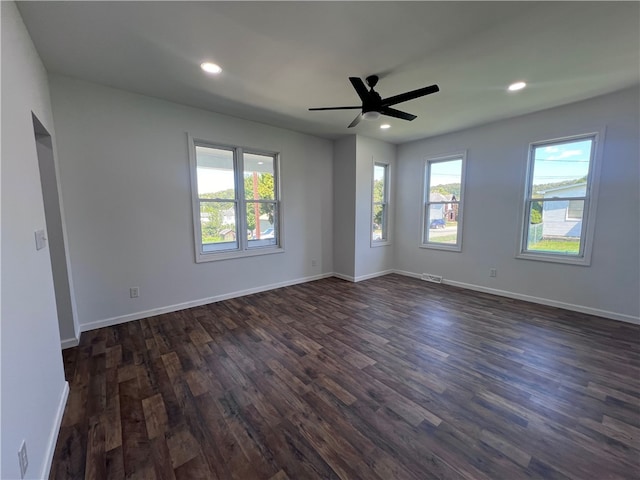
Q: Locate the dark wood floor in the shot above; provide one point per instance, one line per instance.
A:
(391, 378)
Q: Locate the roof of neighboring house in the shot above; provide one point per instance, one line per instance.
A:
(438, 197)
(564, 187)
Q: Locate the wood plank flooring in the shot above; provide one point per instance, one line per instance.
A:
(391, 378)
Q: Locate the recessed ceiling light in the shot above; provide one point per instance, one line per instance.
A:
(384, 126)
(517, 86)
(210, 67)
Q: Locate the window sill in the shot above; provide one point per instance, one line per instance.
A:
(551, 258)
(442, 246)
(254, 252)
(380, 243)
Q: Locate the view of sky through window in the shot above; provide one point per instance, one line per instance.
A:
(561, 162)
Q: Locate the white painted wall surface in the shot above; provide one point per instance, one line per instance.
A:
(344, 203)
(124, 174)
(496, 163)
(33, 385)
(369, 260)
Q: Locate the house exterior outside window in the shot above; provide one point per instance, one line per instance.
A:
(560, 200)
(443, 206)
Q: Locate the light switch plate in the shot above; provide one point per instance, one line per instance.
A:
(41, 239)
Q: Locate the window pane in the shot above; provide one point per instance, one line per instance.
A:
(263, 231)
(444, 180)
(551, 231)
(258, 177)
(379, 223)
(218, 226)
(561, 170)
(379, 174)
(215, 173)
(439, 228)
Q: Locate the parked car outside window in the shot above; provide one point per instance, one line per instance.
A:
(268, 233)
(438, 223)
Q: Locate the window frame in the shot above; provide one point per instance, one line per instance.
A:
(426, 176)
(589, 209)
(386, 236)
(243, 249)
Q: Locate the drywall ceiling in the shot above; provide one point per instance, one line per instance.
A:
(280, 58)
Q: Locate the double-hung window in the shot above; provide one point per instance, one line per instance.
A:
(380, 208)
(560, 200)
(443, 199)
(235, 201)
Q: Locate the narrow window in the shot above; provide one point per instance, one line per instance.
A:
(443, 199)
(380, 210)
(558, 200)
(236, 204)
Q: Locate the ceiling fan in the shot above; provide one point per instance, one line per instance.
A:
(373, 105)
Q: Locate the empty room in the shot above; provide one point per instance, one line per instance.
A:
(320, 240)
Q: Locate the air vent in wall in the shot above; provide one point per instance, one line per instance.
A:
(431, 278)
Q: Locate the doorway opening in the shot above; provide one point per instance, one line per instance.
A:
(60, 268)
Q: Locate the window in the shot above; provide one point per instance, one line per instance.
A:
(235, 201)
(558, 200)
(380, 210)
(575, 209)
(443, 198)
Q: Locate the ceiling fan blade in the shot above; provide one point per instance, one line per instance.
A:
(360, 87)
(392, 112)
(403, 97)
(335, 108)
(355, 121)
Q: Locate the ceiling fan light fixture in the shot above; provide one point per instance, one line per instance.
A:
(371, 115)
(211, 67)
(514, 87)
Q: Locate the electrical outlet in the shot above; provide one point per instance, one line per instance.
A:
(493, 272)
(314, 263)
(134, 292)
(23, 459)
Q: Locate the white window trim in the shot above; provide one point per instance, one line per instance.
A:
(387, 193)
(426, 173)
(242, 251)
(590, 206)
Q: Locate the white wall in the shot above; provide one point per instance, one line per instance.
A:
(496, 162)
(33, 386)
(124, 175)
(353, 159)
(369, 260)
(344, 206)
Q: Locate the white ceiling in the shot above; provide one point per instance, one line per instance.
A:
(280, 58)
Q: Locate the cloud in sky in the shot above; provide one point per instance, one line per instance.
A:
(559, 153)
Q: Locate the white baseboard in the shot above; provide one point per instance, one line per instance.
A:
(53, 436)
(373, 275)
(349, 278)
(69, 343)
(107, 322)
(240, 293)
(408, 274)
(529, 298)
(341, 276)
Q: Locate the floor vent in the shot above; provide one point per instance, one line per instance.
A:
(431, 278)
